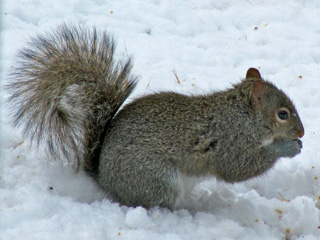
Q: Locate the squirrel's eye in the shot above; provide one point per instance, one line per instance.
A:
(283, 115)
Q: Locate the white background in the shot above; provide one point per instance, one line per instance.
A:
(209, 44)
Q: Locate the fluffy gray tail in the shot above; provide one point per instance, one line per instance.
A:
(66, 89)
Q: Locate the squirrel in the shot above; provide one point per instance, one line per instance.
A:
(69, 91)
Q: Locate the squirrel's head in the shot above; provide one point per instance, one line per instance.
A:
(275, 107)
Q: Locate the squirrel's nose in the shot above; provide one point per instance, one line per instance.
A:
(300, 129)
(300, 133)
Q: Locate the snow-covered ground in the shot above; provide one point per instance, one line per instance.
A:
(208, 44)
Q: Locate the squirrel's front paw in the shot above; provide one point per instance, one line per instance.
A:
(286, 148)
(294, 148)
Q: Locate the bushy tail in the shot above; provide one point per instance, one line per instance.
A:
(66, 89)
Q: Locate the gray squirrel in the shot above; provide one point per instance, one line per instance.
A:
(67, 91)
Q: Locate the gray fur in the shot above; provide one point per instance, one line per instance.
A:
(68, 91)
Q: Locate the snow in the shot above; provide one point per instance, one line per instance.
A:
(209, 45)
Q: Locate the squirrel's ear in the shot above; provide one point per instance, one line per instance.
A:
(257, 95)
(253, 73)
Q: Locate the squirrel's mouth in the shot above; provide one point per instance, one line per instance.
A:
(269, 141)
